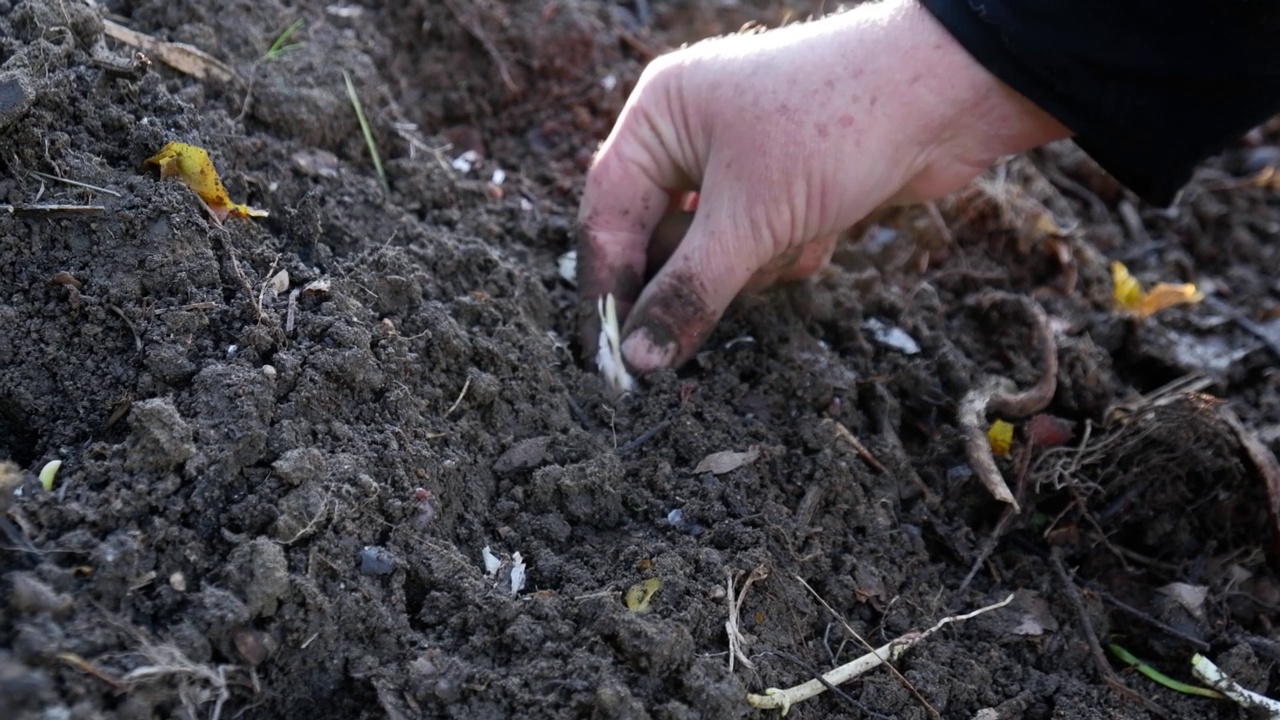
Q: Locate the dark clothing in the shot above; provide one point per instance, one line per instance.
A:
(1149, 87)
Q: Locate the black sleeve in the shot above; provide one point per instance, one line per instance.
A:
(1150, 88)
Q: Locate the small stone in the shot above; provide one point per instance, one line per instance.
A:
(376, 560)
(178, 582)
(254, 646)
(299, 465)
(16, 94)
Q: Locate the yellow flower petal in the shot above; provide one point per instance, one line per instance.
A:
(192, 165)
(1000, 435)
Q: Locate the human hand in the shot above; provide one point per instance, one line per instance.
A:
(789, 136)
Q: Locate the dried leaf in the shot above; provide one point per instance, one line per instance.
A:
(279, 283)
(183, 58)
(192, 165)
(722, 462)
(1191, 597)
(1000, 435)
(638, 596)
(1130, 296)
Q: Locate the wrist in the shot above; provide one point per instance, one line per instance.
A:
(965, 117)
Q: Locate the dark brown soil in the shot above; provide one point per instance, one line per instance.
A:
(275, 504)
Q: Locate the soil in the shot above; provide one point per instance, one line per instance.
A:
(277, 491)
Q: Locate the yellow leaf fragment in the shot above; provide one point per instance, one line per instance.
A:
(192, 165)
(1130, 296)
(638, 596)
(1165, 295)
(1000, 435)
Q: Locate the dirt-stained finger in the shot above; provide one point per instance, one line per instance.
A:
(680, 306)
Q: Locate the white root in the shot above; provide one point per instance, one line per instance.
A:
(777, 699)
(609, 347)
(1206, 670)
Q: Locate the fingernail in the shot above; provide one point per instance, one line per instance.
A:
(644, 355)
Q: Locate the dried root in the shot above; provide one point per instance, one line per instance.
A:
(994, 395)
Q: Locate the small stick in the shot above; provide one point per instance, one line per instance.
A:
(77, 183)
(642, 438)
(776, 699)
(844, 433)
(1095, 648)
(137, 339)
(465, 386)
(15, 209)
(933, 713)
(89, 668)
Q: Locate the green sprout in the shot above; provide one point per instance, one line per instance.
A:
(1154, 674)
(279, 47)
(368, 133)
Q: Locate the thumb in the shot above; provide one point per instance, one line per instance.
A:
(679, 307)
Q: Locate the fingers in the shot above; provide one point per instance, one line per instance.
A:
(680, 306)
(628, 190)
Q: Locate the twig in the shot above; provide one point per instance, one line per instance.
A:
(1095, 648)
(845, 434)
(933, 713)
(21, 209)
(642, 438)
(77, 183)
(465, 386)
(137, 339)
(776, 699)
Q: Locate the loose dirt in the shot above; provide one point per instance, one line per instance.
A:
(277, 491)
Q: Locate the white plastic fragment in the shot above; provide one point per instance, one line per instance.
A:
(1206, 670)
(491, 562)
(567, 265)
(609, 347)
(892, 336)
(499, 176)
(467, 160)
(517, 573)
(609, 82)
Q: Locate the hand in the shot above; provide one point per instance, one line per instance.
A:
(789, 136)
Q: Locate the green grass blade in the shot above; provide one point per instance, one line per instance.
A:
(1154, 674)
(279, 47)
(368, 133)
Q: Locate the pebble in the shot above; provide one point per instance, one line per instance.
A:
(377, 560)
(16, 94)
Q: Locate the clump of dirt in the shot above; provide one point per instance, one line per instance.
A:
(342, 461)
